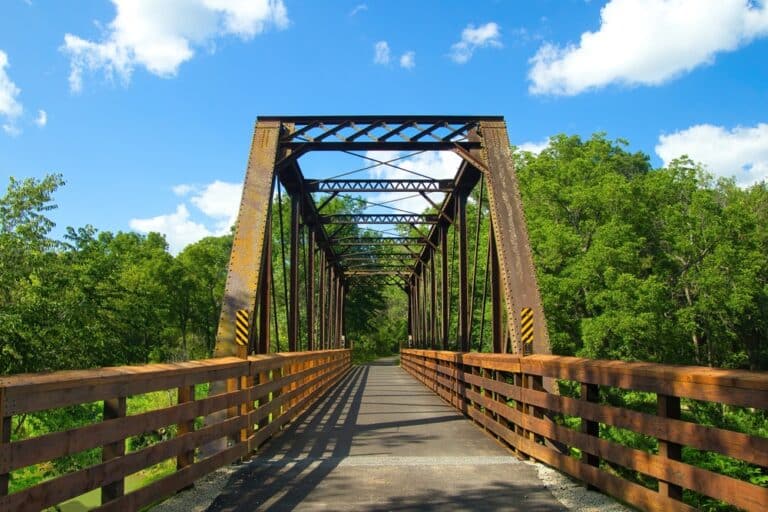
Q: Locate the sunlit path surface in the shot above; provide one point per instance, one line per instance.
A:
(382, 441)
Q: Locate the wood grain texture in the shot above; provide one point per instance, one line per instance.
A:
(528, 424)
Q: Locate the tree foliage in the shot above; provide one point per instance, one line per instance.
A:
(662, 265)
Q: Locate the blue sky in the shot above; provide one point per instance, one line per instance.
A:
(147, 106)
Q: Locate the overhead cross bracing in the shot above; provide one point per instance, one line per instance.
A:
(409, 249)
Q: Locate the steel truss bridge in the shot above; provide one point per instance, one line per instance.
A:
(315, 424)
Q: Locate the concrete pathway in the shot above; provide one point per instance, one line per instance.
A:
(381, 441)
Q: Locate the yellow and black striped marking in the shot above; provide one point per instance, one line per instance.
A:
(241, 327)
(526, 325)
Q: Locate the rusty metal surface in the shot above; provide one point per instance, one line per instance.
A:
(481, 142)
(371, 185)
(248, 243)
(378, 218)
(518, 275)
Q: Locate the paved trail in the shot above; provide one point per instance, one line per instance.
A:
(381, 441)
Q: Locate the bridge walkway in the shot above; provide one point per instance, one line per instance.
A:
(380, 440)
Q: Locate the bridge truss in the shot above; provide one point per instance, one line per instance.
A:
(334, 257)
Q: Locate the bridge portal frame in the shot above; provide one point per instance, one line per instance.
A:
(483, 145)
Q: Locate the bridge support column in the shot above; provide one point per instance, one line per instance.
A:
(248, 244)
(517, 273)
(310, 277)
(461, 226)
(497, 321)
(432, 302)
(265, 298)
(293, 294)
(444, 300)
(322, 319)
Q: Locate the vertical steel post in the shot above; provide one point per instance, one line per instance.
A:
(432, 302)
(425, 319)
(461, 214)
(339, 291)
(321, 319)
(499, 344)
(331, 309)
(417, 301)
(293, 294)
(445, 310)
(265, 300)
(409, 291)
(343, 316)
(310, 277)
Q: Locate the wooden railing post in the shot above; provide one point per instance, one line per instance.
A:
(184, 459)
(5, 437)
(521, 381)
(233, 384)
(669, 407)
(113, 408)
(246, 382)
(536, 383)
(263, 379)
(590, 393)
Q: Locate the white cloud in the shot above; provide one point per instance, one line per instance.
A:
(646, 42)
(177, 227)
(10, 108)
(218, 202)
(11, 129)
(434, 164)
(408, 60)
(183, 189)
(42, 118)
(381, 53)
(741, 152)
(358, 9)
(534, 147)
(473, 38)
(160, 36)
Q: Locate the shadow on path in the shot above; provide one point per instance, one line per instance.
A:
(381, 441)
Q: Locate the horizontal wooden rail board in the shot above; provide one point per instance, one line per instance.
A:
(482, 385)
(284, 385)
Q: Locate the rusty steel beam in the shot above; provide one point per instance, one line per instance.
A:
(518, 275)
(310, 278)
(389, 240)
(375, 254)
(461, 225)
(245, 260)
(499, 344)
(404, 145)
(466, 178)
(433, 304)
(265, 302)
(445, 305)
(321, 302)
(293, 294)
(372, 185)
(375, 280)
(377, 218)
(386, 119)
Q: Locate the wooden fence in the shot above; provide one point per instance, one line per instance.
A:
(263, 393)
(505, 395)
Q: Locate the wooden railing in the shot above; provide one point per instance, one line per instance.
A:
(263, 393)
(505, 394)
